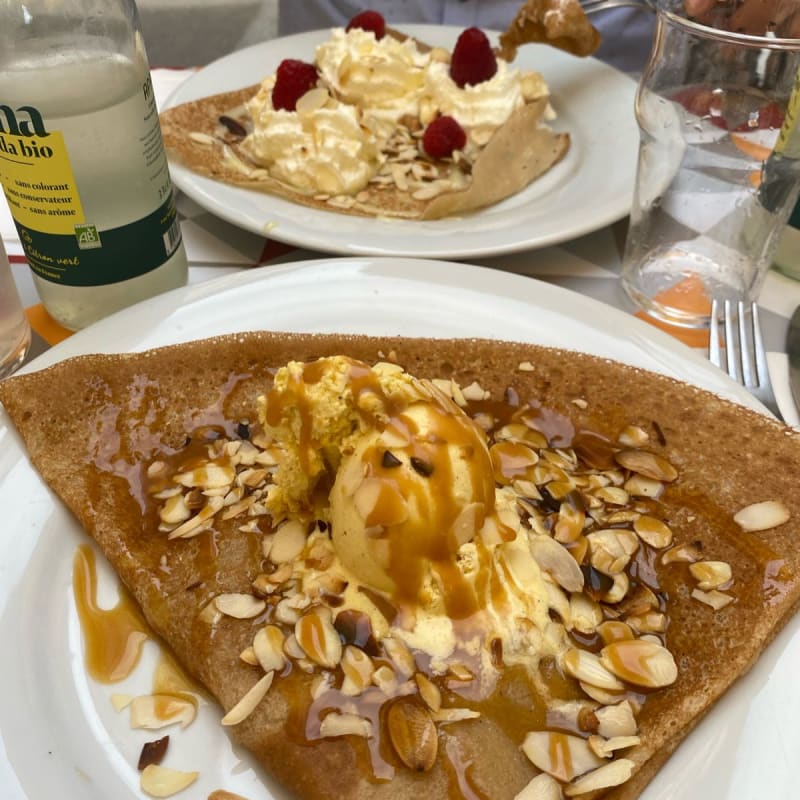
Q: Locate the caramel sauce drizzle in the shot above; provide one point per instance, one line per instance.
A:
(113, 638)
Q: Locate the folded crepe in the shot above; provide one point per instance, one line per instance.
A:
(701, 462)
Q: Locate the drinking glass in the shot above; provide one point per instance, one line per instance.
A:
(719, 166)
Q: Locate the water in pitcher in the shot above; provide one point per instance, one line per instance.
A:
(703, 198)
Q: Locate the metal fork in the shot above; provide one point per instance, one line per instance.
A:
(592, 6)
(745, 356)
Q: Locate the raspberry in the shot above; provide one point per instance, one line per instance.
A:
(368, 21)
(292, 80)
(442, 136)
(473, 60)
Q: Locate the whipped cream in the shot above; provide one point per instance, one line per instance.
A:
(482, 108)
(384, 77)
(320, 148)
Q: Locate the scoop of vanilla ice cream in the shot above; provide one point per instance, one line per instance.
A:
(319, 148)
(384, 77)
(481, 108)
(407, 498)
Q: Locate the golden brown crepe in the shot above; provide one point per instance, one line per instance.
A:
(118, 415)
(519, 152)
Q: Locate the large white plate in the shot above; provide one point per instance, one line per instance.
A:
(590, 188)
(59, 736)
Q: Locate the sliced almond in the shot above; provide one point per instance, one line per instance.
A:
(711, 574)
(714, 598)
(249, 701)
(560, 754)
(445, 715)
(159, 781)
(586, 667)
(542, 787)
(616, 720)
(121, 701)
(428, 691)
(207, 476)
(268, 648)
(611, 549)
(648, 464)
(555, 559)
(358, 669)
(402, 658)
(640, 486)
(614, 773)
(239, 605)
(682, 553)
(345, 724)
(199, 522)
(413, 734)
(318, 638)
(640, 662)
(288, 542)
(653, 531)
(762, 516)
(605, 748)
(585, 614)
(155, 711)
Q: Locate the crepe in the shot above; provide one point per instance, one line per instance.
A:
(518, 153)
(208, 136)
(117, 415)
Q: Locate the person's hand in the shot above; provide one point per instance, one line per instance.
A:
(782, 17)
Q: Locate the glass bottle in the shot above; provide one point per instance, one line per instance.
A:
(82, 163)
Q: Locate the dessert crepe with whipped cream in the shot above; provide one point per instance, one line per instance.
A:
(359, 141)
(427, 568)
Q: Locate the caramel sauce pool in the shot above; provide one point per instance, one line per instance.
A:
(112, 638)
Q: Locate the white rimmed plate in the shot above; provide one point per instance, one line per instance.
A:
(59, 736)
(591, 187)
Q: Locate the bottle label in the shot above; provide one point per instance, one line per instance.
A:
(62, 242)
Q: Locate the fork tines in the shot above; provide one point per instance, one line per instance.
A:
(745, 355)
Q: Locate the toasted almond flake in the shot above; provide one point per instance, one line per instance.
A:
(586, 667)
(560, 754)
(605, 748)
(542, 787)
(648, 464)
(618, 590)
(445, 715)
(199, 522)
(611, 549)
(653, 531)
(174, 511)
(156, 711)
(249, 701)
(580, 403)
(358, 669)
(714, 598)
(121, 701)
(612, 774)
(525, 366)
(201, 138)
(640, 486)
(428, 691)
(613, 630)
(400, 655)
(318, 638)
(682, 553)
(633, 436)
(616, 720)
(248, 655)
(585, 613)
(711, 574)
(287, 542)
(239, 605)
(556, 560)
(344, 724)
(639, 662)
(208, 476)
(268, 648)
(159, 781)
(762, 516)
(602, 696)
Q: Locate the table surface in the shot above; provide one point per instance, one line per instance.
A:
(589, 265)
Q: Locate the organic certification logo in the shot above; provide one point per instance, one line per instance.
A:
(87, 236)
